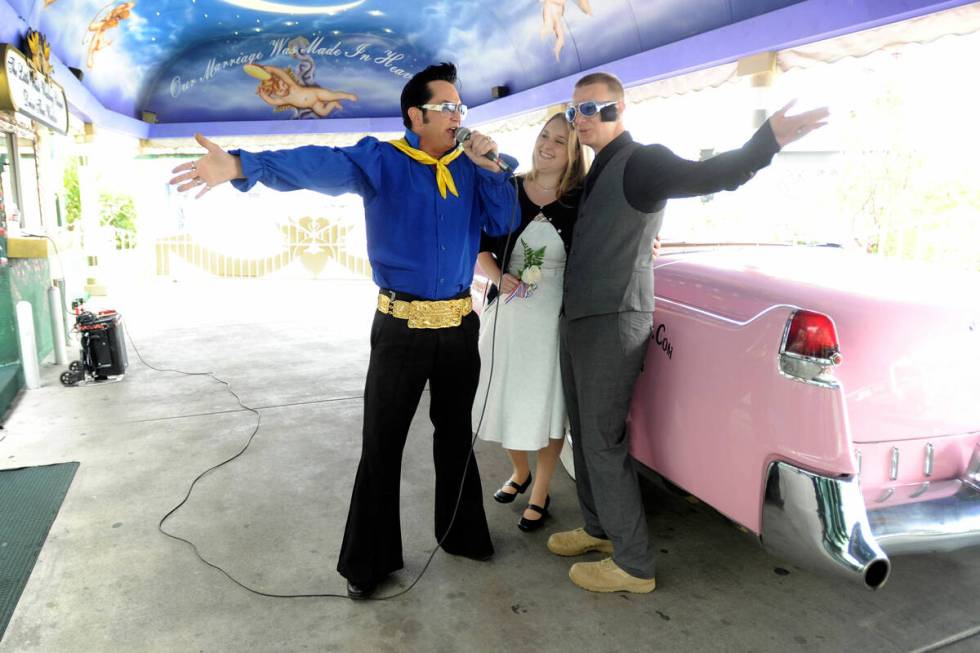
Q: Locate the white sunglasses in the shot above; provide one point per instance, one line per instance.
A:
(447, 108)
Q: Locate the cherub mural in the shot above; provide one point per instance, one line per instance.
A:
(551, 15)
(279, 88)
(299, 48)
(108, 17)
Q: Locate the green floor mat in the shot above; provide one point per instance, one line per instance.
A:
(29, 501)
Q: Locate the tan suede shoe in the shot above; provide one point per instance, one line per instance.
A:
(606, 576)
(577, 542)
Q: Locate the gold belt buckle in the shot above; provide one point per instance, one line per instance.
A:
(434, 315)
(427, 315)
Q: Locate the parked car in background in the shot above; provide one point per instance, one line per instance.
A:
(824, 400)
(827, 401)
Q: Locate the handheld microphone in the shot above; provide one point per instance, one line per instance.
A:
(463, 134)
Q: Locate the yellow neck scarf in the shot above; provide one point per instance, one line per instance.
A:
(444, 178)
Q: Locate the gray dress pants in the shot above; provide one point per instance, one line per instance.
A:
(601, 358)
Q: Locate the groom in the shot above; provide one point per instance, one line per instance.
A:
(608, 313)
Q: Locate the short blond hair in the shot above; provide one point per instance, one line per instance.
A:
(611, 81)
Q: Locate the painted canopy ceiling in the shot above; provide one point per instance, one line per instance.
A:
(322, 65)
(220, 60)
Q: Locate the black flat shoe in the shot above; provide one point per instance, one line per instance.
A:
(360, 591)
(528, 525)
(479, 557)
(506, 497)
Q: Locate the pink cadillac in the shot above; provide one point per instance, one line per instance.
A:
(826, 401)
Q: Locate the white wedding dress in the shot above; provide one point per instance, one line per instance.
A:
(525, 406)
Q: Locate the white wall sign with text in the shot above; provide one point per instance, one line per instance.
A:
(24, 89)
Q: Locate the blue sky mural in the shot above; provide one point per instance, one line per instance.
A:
(204, 60)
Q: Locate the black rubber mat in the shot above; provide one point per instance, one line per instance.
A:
(30, 498)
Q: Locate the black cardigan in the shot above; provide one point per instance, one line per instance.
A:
(561, 213)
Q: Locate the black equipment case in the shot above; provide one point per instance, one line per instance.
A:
(103, 351)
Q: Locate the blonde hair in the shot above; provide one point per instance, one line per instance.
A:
(577, 166)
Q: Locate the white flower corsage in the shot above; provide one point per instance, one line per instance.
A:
(529, 274)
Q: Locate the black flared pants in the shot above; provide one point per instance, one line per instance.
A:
(402, 361)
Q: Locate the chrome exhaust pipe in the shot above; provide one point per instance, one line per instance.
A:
(821, 523)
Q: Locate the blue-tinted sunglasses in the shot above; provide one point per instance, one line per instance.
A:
(447, 108)
(587, 109)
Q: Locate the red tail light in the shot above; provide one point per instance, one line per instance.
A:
(813, 335)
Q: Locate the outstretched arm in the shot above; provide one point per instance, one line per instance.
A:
(214, 168)
(787, 129)
(655, 174)
(330, 170)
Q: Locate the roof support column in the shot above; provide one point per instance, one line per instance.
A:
(93, 244)
(761, 69)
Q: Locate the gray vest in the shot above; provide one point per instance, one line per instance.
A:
(610, 269)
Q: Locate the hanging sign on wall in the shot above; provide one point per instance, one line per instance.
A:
(24, 89)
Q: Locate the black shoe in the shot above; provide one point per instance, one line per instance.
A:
(479, 557)
(360, 591)
(528, 525)
(506, 497)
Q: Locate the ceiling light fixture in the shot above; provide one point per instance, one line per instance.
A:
(287, 8)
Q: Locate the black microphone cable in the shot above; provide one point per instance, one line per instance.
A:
(190, 489)
(459, 496)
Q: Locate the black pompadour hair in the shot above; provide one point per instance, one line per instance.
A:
(416, 92)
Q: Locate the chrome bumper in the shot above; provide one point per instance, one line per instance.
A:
(822, 523)
(942, 524)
